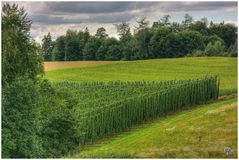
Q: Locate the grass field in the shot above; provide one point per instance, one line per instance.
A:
(201, 132)
(153, 70)
(49, 66)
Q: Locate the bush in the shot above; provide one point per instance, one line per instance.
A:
(20, 126)
(58, 119)
(215, 49)
(197, 53)
(232, 51)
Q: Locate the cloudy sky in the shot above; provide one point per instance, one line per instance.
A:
(57, 17)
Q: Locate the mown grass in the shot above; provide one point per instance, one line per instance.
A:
(155, 70)
(202, 132)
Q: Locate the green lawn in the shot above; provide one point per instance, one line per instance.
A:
(201, 132)
(154, 70)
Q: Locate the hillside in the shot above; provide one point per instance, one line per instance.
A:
(154, 70)
(202, 132)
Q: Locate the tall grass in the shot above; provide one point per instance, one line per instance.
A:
(106, 108)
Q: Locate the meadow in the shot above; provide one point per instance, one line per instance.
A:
(154, 70)
(201, 132)
(118, 97)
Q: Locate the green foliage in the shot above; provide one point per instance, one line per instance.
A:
(143, 23)
(190, 41)
(227, 32)
(214, 38)
(156, 44)
(108, 50)
(171, 46)
(113, 53)
(59, 49)
(216, 48)
(142, 40)
(197, 53)
(58, 132)
(91, 48)
(106, 108)
(128, 49)
(101, 33)
(20, 54)
(200, 26)
(165, 20)
(37, 121)
(164, 39)
(47, 47)
(126, 41)
(21, 126)
(232, 51)
(101, 52)
(73, 50)
(188, 20)
(165, 43)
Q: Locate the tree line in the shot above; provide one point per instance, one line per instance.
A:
(164, 39)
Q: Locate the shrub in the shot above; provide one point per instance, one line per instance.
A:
(197, 53)
(232, 51)
(58, 119)
(20, 126)
(215, 49)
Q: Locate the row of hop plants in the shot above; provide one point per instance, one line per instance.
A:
(106, 108)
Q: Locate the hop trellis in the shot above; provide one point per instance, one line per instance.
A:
(106, 108)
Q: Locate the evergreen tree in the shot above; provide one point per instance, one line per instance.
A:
(188, 20)
(47, 47)
(59, 49)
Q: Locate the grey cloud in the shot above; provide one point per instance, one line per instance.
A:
(112, 12)
(199, 6)
(108, 18)
(46, 19)
(95, 7)
(112, 7)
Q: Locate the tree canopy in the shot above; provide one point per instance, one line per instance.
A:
(164, 39)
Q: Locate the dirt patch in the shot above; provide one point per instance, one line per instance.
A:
(222, 109)
(49, 66)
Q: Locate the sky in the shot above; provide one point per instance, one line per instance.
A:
(57, 17)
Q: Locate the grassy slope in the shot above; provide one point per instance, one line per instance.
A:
(200, 132)
(158, 69)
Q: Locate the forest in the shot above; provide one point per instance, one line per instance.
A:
(164, 39)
